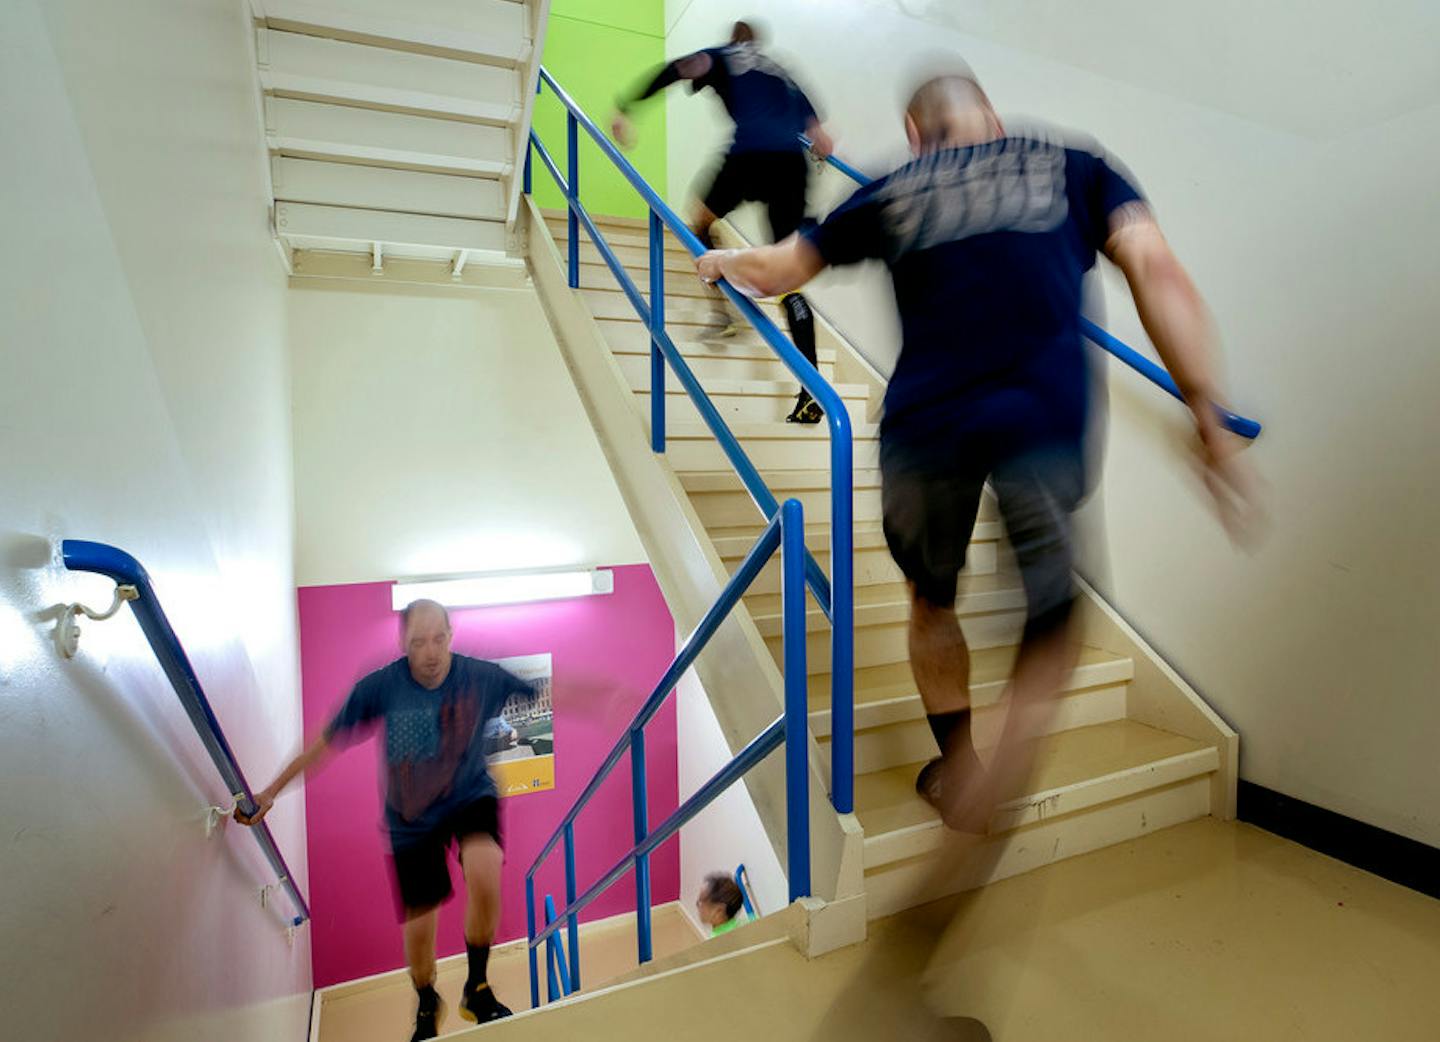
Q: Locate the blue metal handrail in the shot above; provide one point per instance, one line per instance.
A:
(114, 563)
(835, 596)
(786, 532)
(742, 880)
(559, 981)
(1156, 374)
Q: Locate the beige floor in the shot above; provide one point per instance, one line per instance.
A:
(382, 1009)
(1207, 931)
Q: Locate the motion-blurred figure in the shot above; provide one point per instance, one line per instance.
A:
(988, 237)
(439, 712)
(765, 162)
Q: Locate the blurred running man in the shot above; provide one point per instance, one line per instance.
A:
(988, 237)
(765, 162)
(437, 708)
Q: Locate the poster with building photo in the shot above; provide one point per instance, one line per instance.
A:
(521, 742)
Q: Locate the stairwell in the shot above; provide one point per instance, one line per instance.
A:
(1130, 749)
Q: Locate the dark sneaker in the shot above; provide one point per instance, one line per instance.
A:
(927, 782)
(428, 1021)
(807, 410)
(481, 1006)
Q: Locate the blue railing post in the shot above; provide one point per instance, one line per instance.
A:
(797, 724)
(657, 329)
(572, 135)
(842, 628)
(530, 932)
(558, 981)
(640, 795)
(526, 177)
(569, 901)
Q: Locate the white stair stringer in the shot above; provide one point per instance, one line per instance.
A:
(740, 677)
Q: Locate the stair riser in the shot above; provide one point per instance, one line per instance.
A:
(616, 234)
(794, 453)
(739, 408)
(895, 887)
(636, 367)
(721, 509)
(878, 645)
(606, 305)
(630, 336)
(629, 256)
(872, 565)
(897, 612)
(681, 284)
(880, 748)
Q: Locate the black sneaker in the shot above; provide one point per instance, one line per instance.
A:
(807, 410)
(481, 1006)
(428, 1021)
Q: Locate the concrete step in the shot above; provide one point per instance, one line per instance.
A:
(611, 302)
(745, 401)
(710, 368)
(895, 732)
(722, 502)
(991, 609)
(770, 446)
(1091, 787)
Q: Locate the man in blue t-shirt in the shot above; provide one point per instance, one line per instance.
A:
(987, 238)
(765, 162)
(435, 707)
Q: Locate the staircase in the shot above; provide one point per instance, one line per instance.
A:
(1131, 748)
(393, 133)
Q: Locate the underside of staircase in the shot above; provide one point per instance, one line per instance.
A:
(1130, 748)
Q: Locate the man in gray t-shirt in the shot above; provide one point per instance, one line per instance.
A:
(435, 707)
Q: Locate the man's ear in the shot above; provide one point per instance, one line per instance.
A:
(912, 135)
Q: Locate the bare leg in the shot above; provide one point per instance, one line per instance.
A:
(419, 931)
(481, 860)
(722, 323)
(939, 656)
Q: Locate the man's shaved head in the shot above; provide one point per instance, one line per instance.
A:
(948, 109)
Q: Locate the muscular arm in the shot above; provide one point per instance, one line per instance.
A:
(764, 271)
(1171, 310)
(690, 67)
(308, 757)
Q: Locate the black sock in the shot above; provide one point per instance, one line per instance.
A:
(478, 956)
(429, 999)
(952, 727)
(801, 323)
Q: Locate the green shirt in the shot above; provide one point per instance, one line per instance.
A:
(726, 927)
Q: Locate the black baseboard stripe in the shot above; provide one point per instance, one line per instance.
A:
(1388, 855)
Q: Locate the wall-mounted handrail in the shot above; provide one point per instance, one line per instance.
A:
(835, 595)
(785, 532)
(1156, 374)
(114, 563)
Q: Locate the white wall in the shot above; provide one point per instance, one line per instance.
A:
(437, 431)
(728, 832)
(143, 402)
(1290, 158)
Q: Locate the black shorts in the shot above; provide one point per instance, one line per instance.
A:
(930, 506)
(421, 874)
(776, 179)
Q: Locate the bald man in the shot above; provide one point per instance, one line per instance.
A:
(988, 237)
(435, 707)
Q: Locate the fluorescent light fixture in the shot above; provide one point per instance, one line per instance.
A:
(511, 588)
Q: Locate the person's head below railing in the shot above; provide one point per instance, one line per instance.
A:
(988, 236)
(720, 903)
(440, 711)
(763, 163)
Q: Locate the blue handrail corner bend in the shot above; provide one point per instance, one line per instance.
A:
(81, 555)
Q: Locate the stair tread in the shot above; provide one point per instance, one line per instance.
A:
(736, 540)
(768, 388)
(789, 480)
(886, 801)
(987, 666)
(746, 347)
(773, 430)
(766, 606)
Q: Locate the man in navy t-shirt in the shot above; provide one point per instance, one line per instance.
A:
(765, 162)
(434, 707)
(987, 238)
